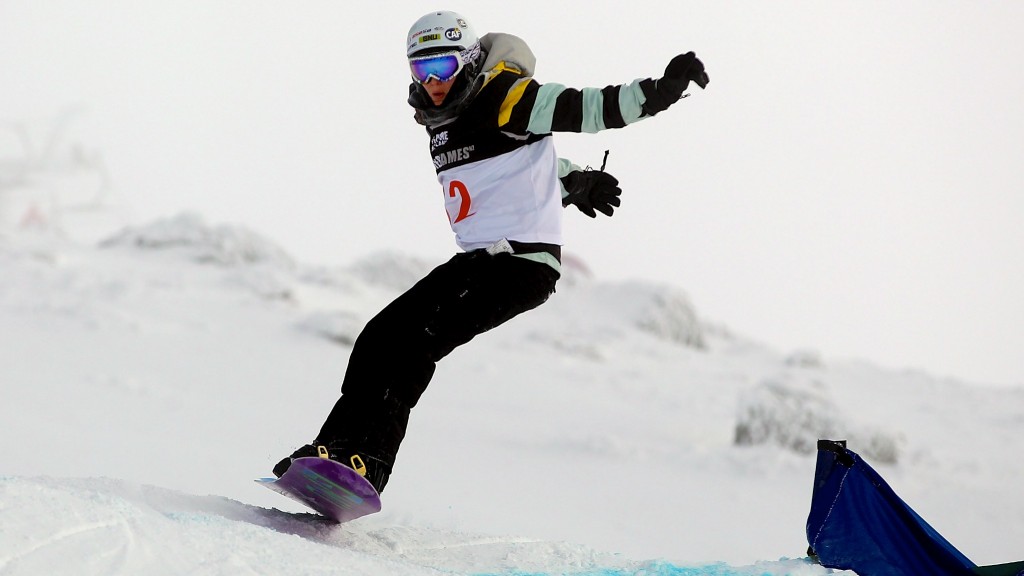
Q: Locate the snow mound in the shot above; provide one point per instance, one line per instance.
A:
(601, 312)
(224, 245)
(575, 270)
(397, 272)
(662, 311)
(341, 327)
(108, 527)
(795, 410)
(805, 359)
(111, 527)
(585, 421)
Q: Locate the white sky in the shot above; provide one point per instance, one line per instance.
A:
(850, 181)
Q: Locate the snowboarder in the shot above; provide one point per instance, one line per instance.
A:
(490, 126)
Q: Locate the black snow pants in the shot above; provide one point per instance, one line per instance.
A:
(395, 355)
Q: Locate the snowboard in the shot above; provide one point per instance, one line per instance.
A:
(331, 488)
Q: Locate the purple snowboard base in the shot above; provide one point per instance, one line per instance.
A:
(330, 488)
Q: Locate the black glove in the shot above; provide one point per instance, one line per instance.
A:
(591, 190)
(665, 91)
(682, 70)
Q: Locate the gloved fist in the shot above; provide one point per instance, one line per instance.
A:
(592, 191)
(682, 70)
(665, 91)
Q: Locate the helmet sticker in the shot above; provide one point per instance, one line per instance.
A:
(453, 34)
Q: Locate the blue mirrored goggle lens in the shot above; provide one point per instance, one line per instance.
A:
(442, 67)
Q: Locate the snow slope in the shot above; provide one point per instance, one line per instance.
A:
(146, 381)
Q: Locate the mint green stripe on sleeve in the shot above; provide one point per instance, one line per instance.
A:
(631, 102)
(593, 110)
(565, 166)
(544, 108)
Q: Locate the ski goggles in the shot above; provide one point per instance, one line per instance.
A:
(442, 67)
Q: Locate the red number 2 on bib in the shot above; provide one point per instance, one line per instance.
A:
(465, 202)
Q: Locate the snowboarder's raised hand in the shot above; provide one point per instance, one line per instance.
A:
(591, 191)
(682, 70)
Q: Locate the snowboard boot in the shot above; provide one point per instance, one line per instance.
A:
(376, 471)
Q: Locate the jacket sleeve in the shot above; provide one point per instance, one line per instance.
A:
(533, 108)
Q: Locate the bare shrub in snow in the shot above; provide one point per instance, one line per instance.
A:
(794, 412)
(877, 445)
(793, 415)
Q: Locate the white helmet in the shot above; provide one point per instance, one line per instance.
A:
(439, 31)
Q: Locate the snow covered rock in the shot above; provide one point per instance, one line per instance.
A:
(662, 311)
(670, 315)
(805, 358)
(224, 245)
(341, 327)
